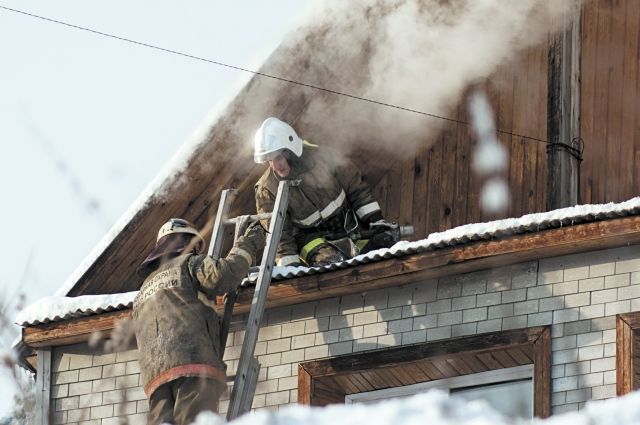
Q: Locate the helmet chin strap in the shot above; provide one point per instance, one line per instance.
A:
(195, 246)
(292, 159)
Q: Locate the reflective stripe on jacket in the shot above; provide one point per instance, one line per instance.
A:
(317, 205)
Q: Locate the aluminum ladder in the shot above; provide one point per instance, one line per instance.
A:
(246, 378)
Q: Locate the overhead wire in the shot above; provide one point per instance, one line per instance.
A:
(260, 73)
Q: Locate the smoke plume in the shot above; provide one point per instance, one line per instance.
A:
(417, 54)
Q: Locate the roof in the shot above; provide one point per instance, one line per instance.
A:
(219, 156)
(403, 156)
(59, 308)
(384, 139)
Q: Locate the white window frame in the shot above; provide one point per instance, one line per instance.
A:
(447, 384)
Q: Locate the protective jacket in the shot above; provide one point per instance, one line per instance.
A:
(177, 330)
(330, 185)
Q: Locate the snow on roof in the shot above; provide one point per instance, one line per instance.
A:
(170, 170)
(480, 231)
(156, 187)
(433, 408)
(58, 307)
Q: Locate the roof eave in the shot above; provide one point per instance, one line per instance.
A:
(415, 268)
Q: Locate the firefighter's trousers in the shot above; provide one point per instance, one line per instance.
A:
(179, 401)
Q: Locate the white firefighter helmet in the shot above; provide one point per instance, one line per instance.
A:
(178, 225)
(273, 136)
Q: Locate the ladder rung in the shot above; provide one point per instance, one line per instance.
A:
(261, 216)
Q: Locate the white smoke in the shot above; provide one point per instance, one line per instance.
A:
(489, 157)
(417, 54)
(494, 196)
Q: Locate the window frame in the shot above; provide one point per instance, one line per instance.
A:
(318, 379)
(489, 377)
(627, 353)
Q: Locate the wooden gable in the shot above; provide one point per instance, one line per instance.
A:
(433, 188)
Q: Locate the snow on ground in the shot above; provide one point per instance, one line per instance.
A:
(433, 408)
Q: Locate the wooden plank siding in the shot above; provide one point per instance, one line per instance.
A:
(627, 160)
(436, 189)
(627, 353)
(587, 93)
(610, 88)
(43, 388)
(610, 110)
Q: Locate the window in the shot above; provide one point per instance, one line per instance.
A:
(627, 352)
(509, 390)
(517, 361)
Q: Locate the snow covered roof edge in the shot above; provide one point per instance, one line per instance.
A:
(166, 175)
(177, 163)
(480, 231)
(59, 307)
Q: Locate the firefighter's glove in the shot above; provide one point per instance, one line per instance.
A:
(253, 239)
(325, 255)
(384, 239)
(256, 232)
(242, 223)
(387, 234)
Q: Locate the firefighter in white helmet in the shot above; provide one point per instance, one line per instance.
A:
(328, 210)
(176, 327)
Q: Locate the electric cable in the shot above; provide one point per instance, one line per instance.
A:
(259, 73)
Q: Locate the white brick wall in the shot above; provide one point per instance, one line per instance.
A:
(578, 295)
(100, 389)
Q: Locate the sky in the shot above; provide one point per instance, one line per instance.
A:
(87, 122)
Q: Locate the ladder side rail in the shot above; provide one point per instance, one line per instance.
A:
(217, 237)
(241, 386)
(232, 296)
(246, 398)
(227, 315)
(215, 247)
